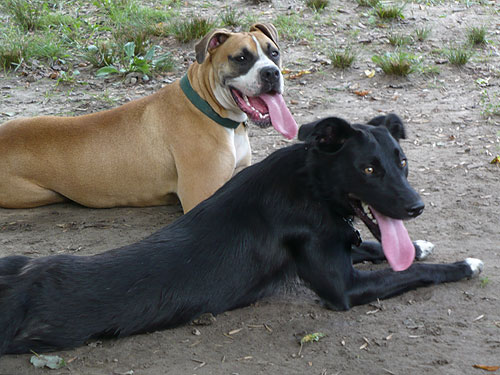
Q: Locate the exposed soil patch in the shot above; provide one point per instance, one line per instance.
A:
(444, 329)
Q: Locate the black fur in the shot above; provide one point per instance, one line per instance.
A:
(280, 218)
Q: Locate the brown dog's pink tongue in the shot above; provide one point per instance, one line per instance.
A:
(281, 118)
(397, 245)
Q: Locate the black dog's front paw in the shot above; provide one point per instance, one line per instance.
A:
(423, 249)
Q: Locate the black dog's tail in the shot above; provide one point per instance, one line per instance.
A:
(11, 300)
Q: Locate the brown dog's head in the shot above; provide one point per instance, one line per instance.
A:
(247, 67)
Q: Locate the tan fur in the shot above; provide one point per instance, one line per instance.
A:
(139, 154)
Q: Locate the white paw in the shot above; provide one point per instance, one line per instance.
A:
(476, 265)
(426, 249)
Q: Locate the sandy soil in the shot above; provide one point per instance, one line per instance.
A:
(444, 329)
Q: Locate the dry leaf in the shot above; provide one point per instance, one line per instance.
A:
(487, 368)
(496, 160)
(312, 337)
(299, 74)
(370, 73)
(361, 92)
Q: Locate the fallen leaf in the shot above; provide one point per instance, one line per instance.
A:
(486, 368)
(496, 160)
(312, 337)
(53, 362)
(299, 74)
(370, 73)
(361, 92)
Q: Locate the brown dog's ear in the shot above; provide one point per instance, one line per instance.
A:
(209, 42)
(268, 30)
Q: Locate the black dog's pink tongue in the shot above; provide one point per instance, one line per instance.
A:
(397, 245)
(281, 118)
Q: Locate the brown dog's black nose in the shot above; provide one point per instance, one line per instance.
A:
(270, 75)
(416, 209)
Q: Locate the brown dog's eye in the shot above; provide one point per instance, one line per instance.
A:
(403, 163)
(369, 170)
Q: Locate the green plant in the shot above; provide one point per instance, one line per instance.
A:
(230, 17)
(11, 48)
(397, 63)
(342, 58)
(386, 11)
(317, 5)
(368, 3)
(476, 35)
(25, 13)
(292, 26)
(193, 28)
(67, 77)
(100, 54)
(459, 55)
(490, 103)
(422, 33)
(135, 63)
(399, 39)
(46, 46)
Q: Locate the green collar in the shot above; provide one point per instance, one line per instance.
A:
(204, 107)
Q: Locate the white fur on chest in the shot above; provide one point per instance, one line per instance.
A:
(240, 146)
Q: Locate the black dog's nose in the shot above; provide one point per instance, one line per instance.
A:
(270, 75)
(416, 209)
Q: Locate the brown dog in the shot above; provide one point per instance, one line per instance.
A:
(188, 139)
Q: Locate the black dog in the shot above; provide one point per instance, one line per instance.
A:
(288, 215)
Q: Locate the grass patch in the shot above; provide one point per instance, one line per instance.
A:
(230, 17)
(422, 33)
(317, 5)
(400, 40)
(193, 28)
(46, 46)
(292, 27)
(397, 63)
(476, 35)
(11, 48)
(342, 58)
(490, 103)
(368, 3)
(25, 13)
(389, 12)
(459, 56)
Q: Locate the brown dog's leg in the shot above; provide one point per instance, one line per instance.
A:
(24, 194)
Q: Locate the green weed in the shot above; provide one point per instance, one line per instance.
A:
(342, 58)
(368, 3)
(476, 35)
(422, 33)
(230, 17)
(459, 55)
(399, 40)
(317, 5)
(397, 63)
(25, 13)
(490, 103)
(193, 28)
(293, 27)
(388, 12)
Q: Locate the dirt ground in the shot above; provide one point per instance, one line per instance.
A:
(443, 329)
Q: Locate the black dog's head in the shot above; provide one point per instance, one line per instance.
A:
(361, 170)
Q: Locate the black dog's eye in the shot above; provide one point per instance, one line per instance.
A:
(369, 170)
(275, 54)
(403, 163)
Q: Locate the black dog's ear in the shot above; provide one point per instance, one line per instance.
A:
(328, 134)
(393, 123)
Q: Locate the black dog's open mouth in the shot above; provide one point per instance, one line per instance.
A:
(364, 212)
(255, 108)
(390, 232)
